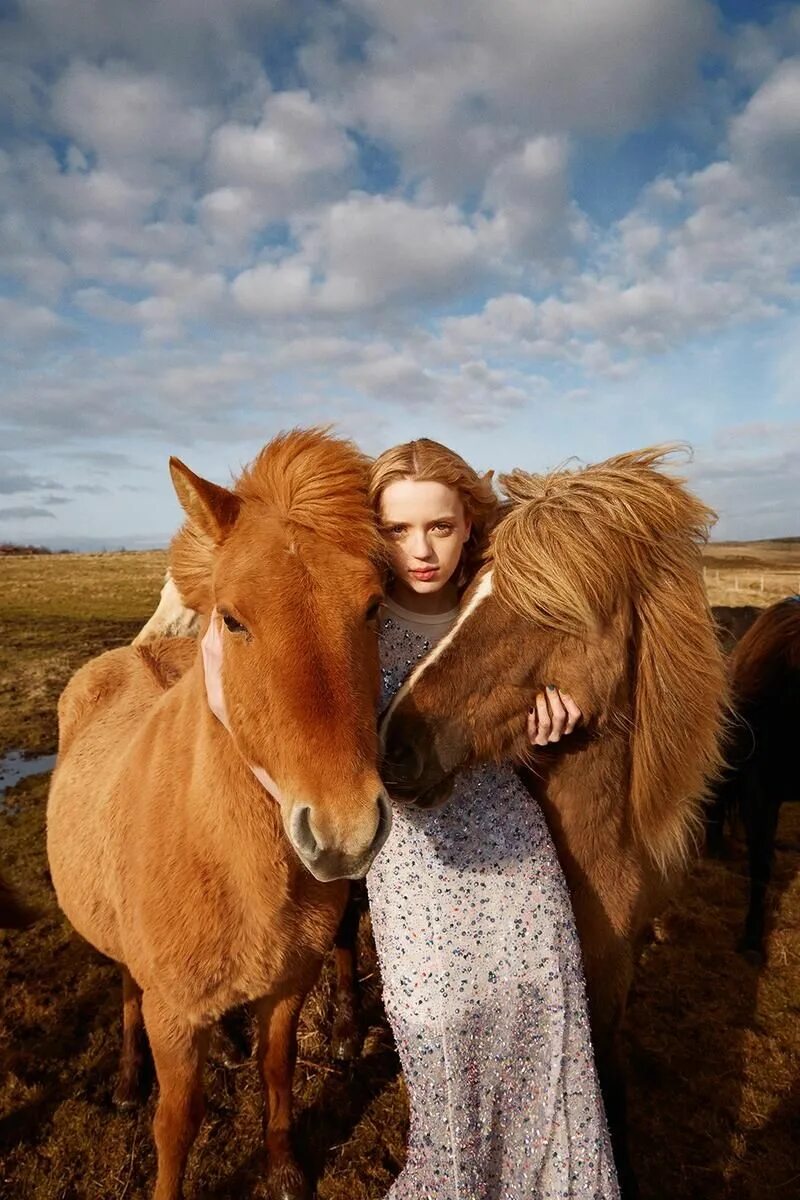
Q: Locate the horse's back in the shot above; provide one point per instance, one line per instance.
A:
(122, 682)
(100, 712)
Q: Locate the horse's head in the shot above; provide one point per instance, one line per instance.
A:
(594, 583)
(290, 560)
(467, 701)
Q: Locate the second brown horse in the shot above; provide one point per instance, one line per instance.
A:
(594, 582)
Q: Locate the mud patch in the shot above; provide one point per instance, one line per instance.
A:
(15, 766)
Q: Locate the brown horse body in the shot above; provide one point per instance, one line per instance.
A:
(166, 852)
(594, 583)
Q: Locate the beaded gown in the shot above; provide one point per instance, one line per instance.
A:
(483, 986)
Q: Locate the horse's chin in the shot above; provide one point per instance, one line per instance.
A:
(433, 797)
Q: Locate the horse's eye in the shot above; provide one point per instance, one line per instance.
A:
(374, 609)
(232, 625)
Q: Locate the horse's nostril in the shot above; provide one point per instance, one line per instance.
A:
(405, 762)
(384, 822)
(302, 833)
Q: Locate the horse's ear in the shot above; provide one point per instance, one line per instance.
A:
(213, 509)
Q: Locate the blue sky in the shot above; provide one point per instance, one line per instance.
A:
(533, 231)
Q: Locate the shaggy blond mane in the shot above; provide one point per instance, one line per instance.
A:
(558, 556)
(294, 478)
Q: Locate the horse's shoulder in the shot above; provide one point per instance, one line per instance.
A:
(94, 686)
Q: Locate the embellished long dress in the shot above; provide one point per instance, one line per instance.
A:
(483, 986)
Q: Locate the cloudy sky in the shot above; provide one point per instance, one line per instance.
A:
(529, 228)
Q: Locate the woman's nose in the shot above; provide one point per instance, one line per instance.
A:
(420, 546)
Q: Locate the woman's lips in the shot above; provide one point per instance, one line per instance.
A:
(427, 573)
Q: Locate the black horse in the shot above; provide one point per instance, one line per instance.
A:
(762, 752)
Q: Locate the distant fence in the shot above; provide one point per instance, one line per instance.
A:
(749, 587)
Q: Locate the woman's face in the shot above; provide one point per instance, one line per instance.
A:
(425, 529)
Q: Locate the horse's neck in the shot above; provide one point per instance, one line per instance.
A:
(227, 805)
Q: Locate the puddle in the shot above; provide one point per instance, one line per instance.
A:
(14, 766)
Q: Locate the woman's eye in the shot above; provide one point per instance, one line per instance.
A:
(443, 528)
(232, 625)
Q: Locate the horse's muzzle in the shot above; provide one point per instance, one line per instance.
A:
(327, 862)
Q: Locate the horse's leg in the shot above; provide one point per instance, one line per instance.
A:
(344, 1036)
(715, 823)
(233, 1038)
(128, 1090)
(277, 1051)
(179, 1052)
(608, 978)
(761, 818)
(14, 912)
(613, 1085)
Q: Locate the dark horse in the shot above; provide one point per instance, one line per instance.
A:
(763, 766)
(14, 912)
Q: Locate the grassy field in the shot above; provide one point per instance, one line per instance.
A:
(714, 1042)
(752, 572)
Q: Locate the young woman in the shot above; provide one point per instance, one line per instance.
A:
(479, 956)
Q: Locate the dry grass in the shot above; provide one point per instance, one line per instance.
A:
(56, 612)
(714, 1043)
(758, 573)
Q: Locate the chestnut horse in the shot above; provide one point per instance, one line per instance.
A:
(761, 749)
(166, 852)
(593, 581)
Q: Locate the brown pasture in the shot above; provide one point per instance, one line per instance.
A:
(714, 1043)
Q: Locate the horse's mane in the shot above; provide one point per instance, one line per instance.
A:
(577, 543)
(306, 478)
(770, 647)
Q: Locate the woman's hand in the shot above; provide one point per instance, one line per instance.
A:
(555, 714)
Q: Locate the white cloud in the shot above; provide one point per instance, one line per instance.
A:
(28, 324)
(125, 116)
(363, 253)
(527, 195)
(765, 137)
(372, 249)
(274, 290)
(292, 149)
(456, 87)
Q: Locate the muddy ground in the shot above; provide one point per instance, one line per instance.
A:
(713, 1041)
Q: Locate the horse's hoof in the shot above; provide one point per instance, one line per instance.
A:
(126, 1097)
(287, 1182)
(345, 1044)
(232, 1057)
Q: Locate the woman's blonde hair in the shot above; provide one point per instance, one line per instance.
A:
(424, 459)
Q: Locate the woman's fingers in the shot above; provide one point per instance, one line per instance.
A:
(558, 713)
(555, 715)
(544, 722)
(574, 713)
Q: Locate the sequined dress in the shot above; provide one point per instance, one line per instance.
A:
(483, 986)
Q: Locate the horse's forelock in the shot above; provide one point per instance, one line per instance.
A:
(305, 478)
(316, 482)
